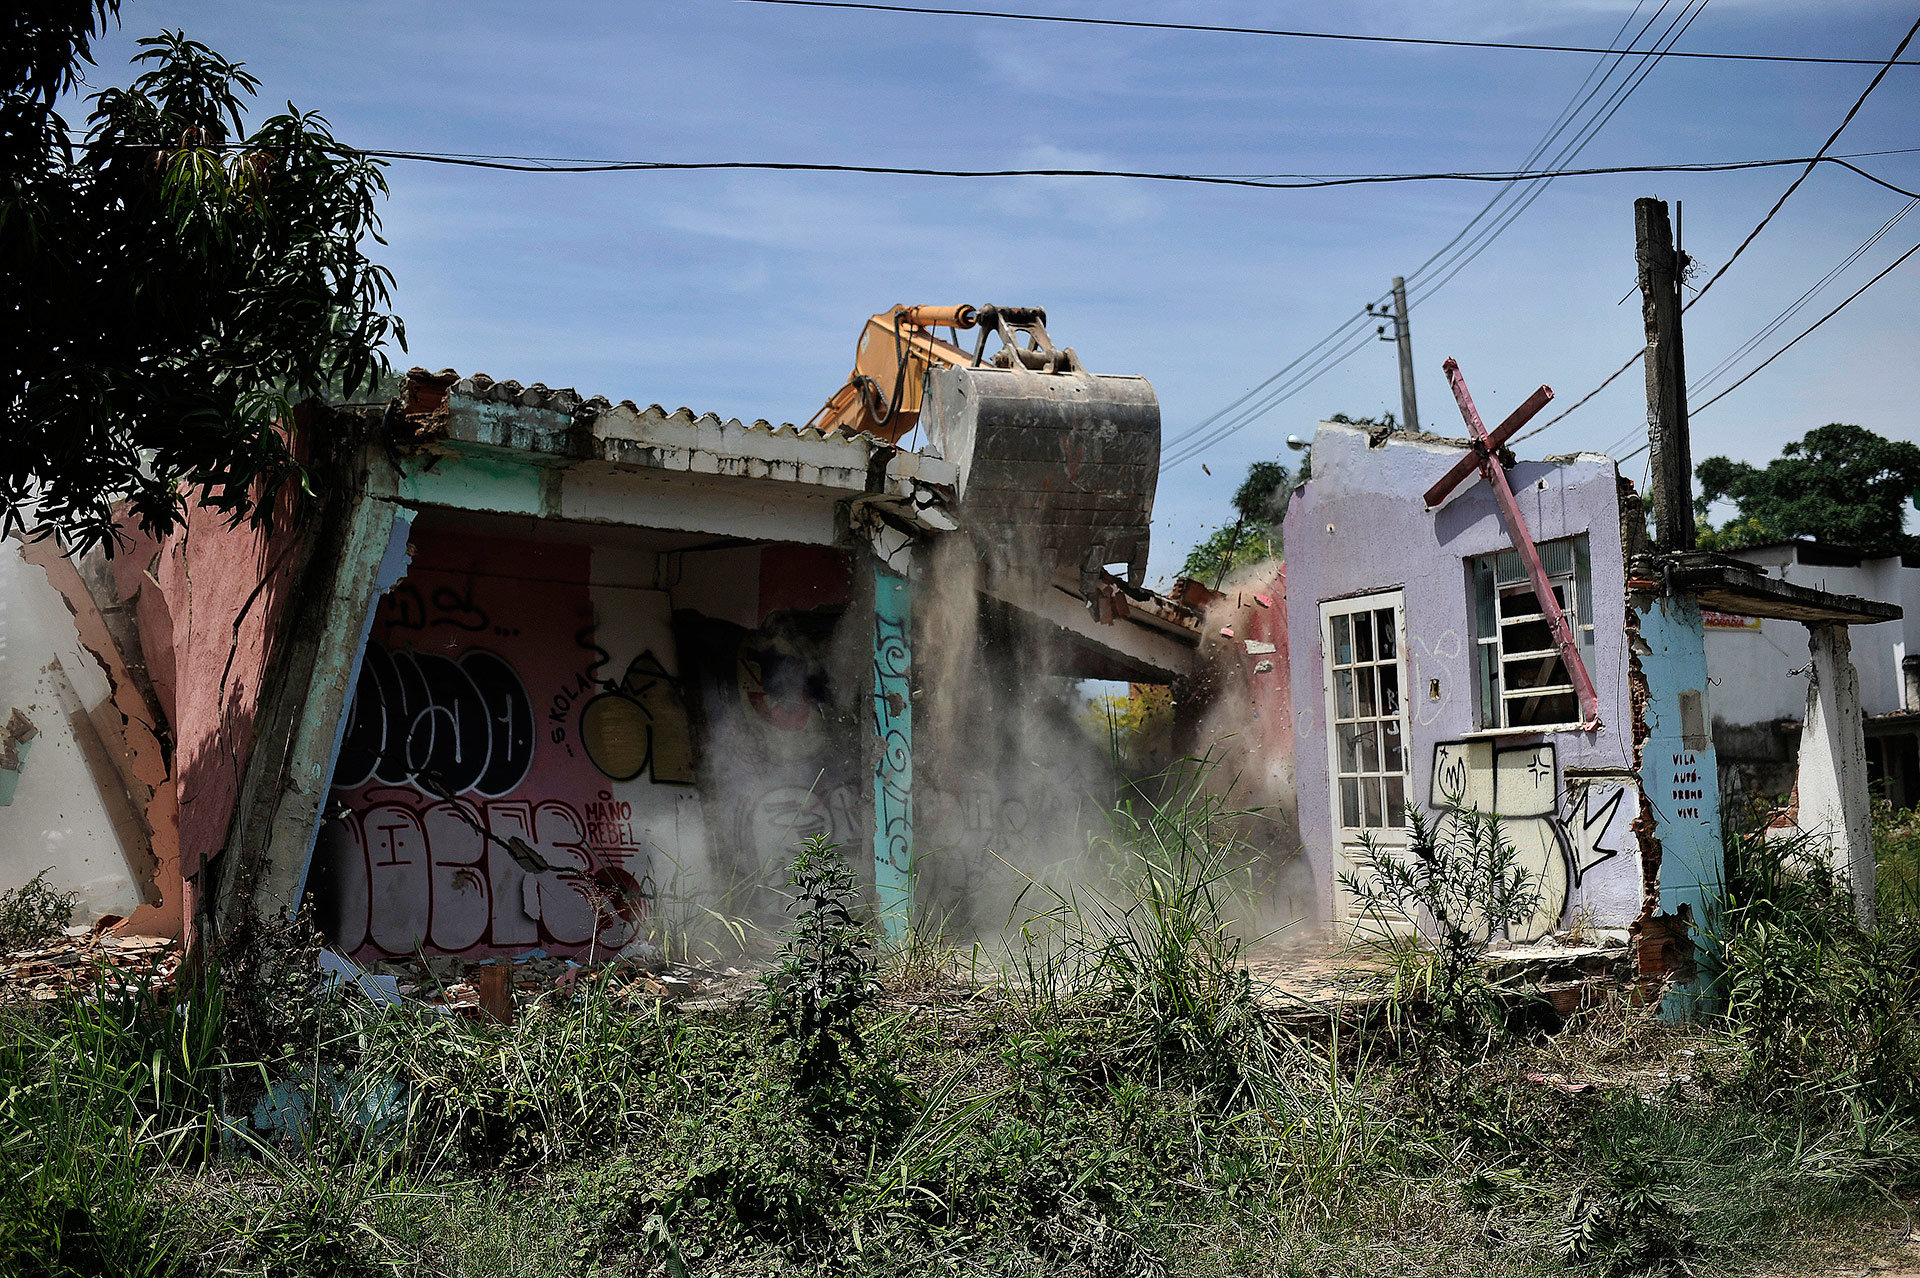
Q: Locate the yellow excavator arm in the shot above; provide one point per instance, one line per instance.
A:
(890, 366)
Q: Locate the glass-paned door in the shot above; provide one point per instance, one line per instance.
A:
(1363, 641)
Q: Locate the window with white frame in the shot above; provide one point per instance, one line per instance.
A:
(1524, 682)
(1365, 674)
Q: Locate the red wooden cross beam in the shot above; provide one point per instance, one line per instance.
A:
(1485, 458)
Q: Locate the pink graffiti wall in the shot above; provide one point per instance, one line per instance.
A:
(517, 760)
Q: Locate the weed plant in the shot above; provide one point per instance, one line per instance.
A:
(1435, 911)
(1154, 948)
(33, 914)
(1123, 1104)
(823, 988)
(1827, 1010)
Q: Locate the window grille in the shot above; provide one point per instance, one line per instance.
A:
(1523, 678)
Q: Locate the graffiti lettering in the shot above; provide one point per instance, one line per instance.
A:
(639, 726)
(466, 723)
(1686, 789)
(405, 609)
(437, 876)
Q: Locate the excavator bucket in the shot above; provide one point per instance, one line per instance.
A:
(1057, 465)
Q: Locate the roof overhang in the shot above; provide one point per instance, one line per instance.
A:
(1730, 585)
(472, 443)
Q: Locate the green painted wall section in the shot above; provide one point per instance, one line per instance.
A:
(475, 481)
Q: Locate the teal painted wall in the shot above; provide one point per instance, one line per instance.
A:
(1680, 772)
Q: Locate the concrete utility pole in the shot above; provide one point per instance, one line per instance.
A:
(1403, 339)
(1672, 451)
(1403, 335)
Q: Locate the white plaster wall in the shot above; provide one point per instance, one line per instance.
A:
(631, 620)
(1753, 670)
(60, 818)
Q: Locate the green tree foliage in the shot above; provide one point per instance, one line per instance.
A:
(171, 283)
(1259, 504)
(1841, 484)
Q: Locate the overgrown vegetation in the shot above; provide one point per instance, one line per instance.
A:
(1259, 505)
(175, 281)
(1828, 1011)
(1124, 1102)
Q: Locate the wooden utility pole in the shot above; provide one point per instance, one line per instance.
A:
(1403, 338)
(1671, 449)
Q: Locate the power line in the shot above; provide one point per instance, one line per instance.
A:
(1812, 164)
(1705, 379)
(1810, 328)
(1566, 118)
(1611, 378)
(1434, 42)
(1799, 303)
(1819, 157)
(1567, 114)
(1206, 179)
(1581, 139)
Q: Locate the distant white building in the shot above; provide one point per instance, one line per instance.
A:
(1759, 673)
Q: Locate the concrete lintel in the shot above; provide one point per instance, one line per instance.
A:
(1140, 650)
(745, 501)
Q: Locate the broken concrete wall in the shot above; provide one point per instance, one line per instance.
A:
(73, 801)
(211, 601)
(1760, 666)
(1361, 545)
(1237, 710)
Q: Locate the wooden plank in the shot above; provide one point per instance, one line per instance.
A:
(1496, 439)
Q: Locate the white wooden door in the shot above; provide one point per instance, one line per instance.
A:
(1363, 647)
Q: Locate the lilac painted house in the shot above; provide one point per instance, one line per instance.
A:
(1424, 674)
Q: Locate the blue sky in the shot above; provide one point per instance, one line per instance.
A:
(742, 293)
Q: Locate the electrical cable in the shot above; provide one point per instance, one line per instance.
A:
(1819, 157)
(1808, 330)
(1584, 133)
(1572, 150)
(1182, 451)
(1303, 184)
(1799, 304)
(1811, 164)
(1143, 24)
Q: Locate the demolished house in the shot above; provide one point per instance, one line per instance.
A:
(538, 669)
(536, 673)
(1425, 671)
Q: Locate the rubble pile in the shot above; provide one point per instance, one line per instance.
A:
(471, 986)
(85, 958)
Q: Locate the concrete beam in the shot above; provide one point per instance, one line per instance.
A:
(1147, 648)
(277, 816)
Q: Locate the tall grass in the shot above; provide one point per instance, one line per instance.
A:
(96, 1095)
(1828, 1010)
(1122, 1103)
(1157, 941)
